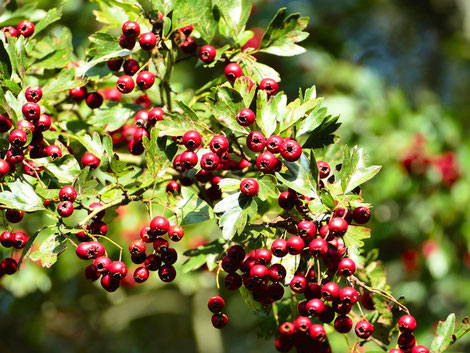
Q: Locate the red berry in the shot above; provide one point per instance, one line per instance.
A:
(192, 140)
(337, 226)
(274, 143)
(233, 71)
(219, 144)
(176, 232)
(188, 159)
(290, 150)
(125, 84)
(131, 66)
(233, 281)
(348, 295)
(31, 111)
(126, 42)
(155, 114)
(279, 247)
(406, 340)
(173, 187)
(90, 160)
(65, 209)
(277, 273)
(141, 274)
(90, 250)
(318, 247)
(295, 245)
(346, 267)
(210, 161)
(364, 329)
(330, 291)
(148, 41)
(19, 240)
(219, 320)
(287, 200)
(246, 117)
(9, 30)
(91, 273)
(259, 272)
(361, 215)
(102, 264)
(419, 349)
(14, 216)
(306, 229)
(33, 94)
(18, 138)
(44, 123)
(145, 80)
(266, 162)
(5, 124)
(110, 283)
(167, 273)
(187, 30)
(216, 304)
(25, 28)
(78, 94)
(6, 239)
(249, 187)
(268, 85)
(263, 256)
(283, 344)
(343, 324)
(94, 100)
(315, 307)
(14, 156)
(255, 141)
(137, 247)
(207, 53)
(114, 64)
(323, 169)
(317, 333)
(8, 266)
(189, 46)
(298, 284)
(302, 324)
(153, 262)
(67, 193)
(117, 269)
(131, 29)
(159, 225)
(407, 323)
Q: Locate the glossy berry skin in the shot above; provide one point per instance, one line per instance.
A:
(188, 159)
(277, 273)
(419, 349)
(318, 247)
(187, 30)
(145, 80)
(274, 143)
(259, 272)
(91, 273)
(153, 262)
(155, 115)
(290, 150)
(14, 216)
(315, 307)
(31, 111)
(125, 84)
(159, 225)
(44, 123)
(189, 46)
(344, 213)
(348, 295)
(8, 266)
(90, 160)
(117, 269)
(137, 247)
(14, 156)
(343, 324)
(246, 117)
(131, 29)
(67, 193)
(173, 187)
(210, 161)
(216, 304)
(407, 323)
(279, 247)
(406, 340)
(233, 281)
(25, 28)
(148, 41)
(236, 253)
(255, 141)
(170, 256)
(361, 215)
(317, 333)
(287, 200)
(323, 169)
(287, 329)
(126, 42)
(249, 187)
(6, 239)
(102, 264)
(263, 256)
(302, 324)
(346, 267)
(141, 274)
(53, 151)
(219, 144)
(131, 66)
(167, 273)
(9, 30)
(18, 138)
(78, 94)
(5, 124)
(110, 283)
(337, 226)
(295, 245)
(364, 329)
(306, 229)
(298, 284)
(266, 162)
(94, 100)
(330, 291)
(207, 53)
(90, 250)
(192, 140)
(366, 301)
(33, 94)
(269, 85)
(232, 71)
(65, 209)
(114, 64)
(19, 240)
(219, 321)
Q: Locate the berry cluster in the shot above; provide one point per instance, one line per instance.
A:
(25, 28)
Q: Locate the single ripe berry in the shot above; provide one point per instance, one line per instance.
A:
(117, 269)
(141, 274)
(295, 245)
(173, 187)
(279, 247)
(19, 240)
(90, 250)
(176, 232)
(364, 329)
(67, 193)
(290, 150)
(9, 30)
(302, 324)
(318, 247)
(407, 323)
(298, 284)
(65, 209)
(419, 349)
(246, 117)
(361, 215)
(219, 320)
(167, 273)
(323, 169)
(5, 124)
(317, 333)
(188, 159)
(115, 64)
(287, 200)
(110, 283)
(126, 42)
(233, 281)
(273, 144)
(349, 296)
(131, 29)
(189, 46)
(192, 140)
(346, 267)
(131, 66)
(249, 187)
(266, 162)
(94, 100)
(31, 111)
(14, 216)
(259, 272)
(78, 94)
(25, 28)
(210, 161)
(43, 123)
(33, 94)
(207, 53)
(330, 291)
(343, 324)
(137, 247)
(153, 262)
(8, 266)
(277, 273)
(145, 80)
(6, 239)
(315, 307)
(268, 85)
(155, 114)
(102, 264)
(255, 141)
(306, 229)
(216, 304)
(159, 225)
(218, 144)
(187, 30)
(233, 71)
(337, 226)
(125, 84)
(53, 151)
(148, 41)
(18, 138)
(14, 156)
(90, 160)
(406, 340)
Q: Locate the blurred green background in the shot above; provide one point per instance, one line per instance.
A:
(398, 72)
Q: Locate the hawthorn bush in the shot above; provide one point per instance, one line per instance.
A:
(84, 138)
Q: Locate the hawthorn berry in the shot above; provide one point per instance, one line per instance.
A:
(406, 340)
(315, 307)
(159, 225)
(312, 290)
(255, 141)
(364, 329)
(361, 215)
(14, 216)
(167, 273)
(295, 245)
(419, 349)
(19, 240)
(141, 274)
(207, 53)
(152, 262)
(109, 282)
(287, 200)
(145, 80)
(343, 324)
(65, 209)
(189, 46)
(258, 272)
(126, 42)
(33, 94)
(330, 291)
(233, 71)
(6, 239)
(407, 323)
(175, 232)
(155, 114)
(246, 117)
(90, 160)
(91, 273)
(125, 84)
(367, 301)
(102, 263)
(43, 123)
(219, 144)
(117, 269)
(306, 229)
(337, 226)
(346, 267)
(268, 85)
(302, 324)
(298, 284)
(53, 151)
(233, 281)
(14, 156)
(274, 143)
(18, 138)
(266, 162)
(137, 247)
(173, 187)
(78, 94)
(94, 100)
(317, 333)
(5, 124)
(148, 41)
(277, 273)
(348, 295)
(131, 66)
(318, 247)
(290, 150)
(115, 64)
(67, 193)
(8, 266)
(192, 140)
(187, 30)
(219, 320)
(31, 111)
(216, 304)
(344, 213)
(131, 29)
(249, 187)
(279, 247)
(188, 159)
(25, 28)
(9, 30)
(323, 169)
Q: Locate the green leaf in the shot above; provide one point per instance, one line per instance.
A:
(267, 110)
(115, 12)
(21, 197)
(206, 25)
(5, 62)
(444, 333)
(84, 186)
(50, 229)
(14, 106)
(15, 48)
(186, 12)
(52, 16)
(229, 184)
(227, 106)
(299, 177)
(54, 51)
(64, 81)
(65, 169)
(235, 14)
(320, 130)
(296, 110)
(206, 253)
(113, 115)
(50, 249)
(156, 157)
(248, 299)
(192, 209)
(354, 171)
(327, 199)
(176, 124)
(282, 34)
(267, 187)
(92, 145)
(242, 85)
(353, 239)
